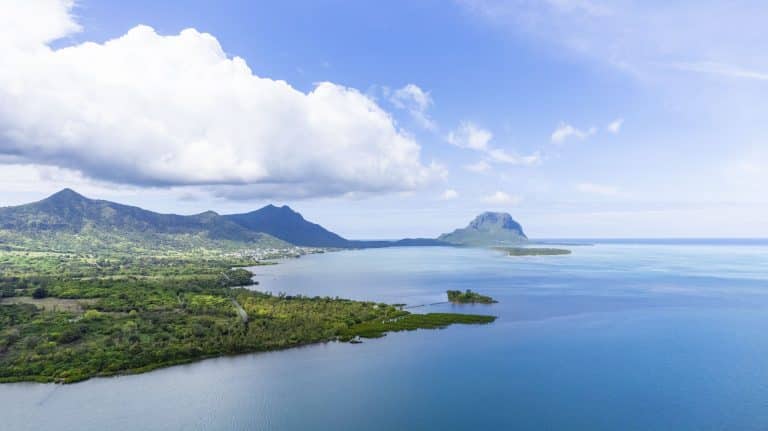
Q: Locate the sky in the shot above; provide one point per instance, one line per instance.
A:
(581, 118)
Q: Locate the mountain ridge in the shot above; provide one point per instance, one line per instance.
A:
(71, 218)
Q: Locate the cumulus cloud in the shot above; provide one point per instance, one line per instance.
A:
(471, 136)
(151, 109)
(416, 101)
(564, 131)
(502, 198)
(449, 194)
(615, 126)
(597, 189)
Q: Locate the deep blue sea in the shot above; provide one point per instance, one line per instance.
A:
(620, 335)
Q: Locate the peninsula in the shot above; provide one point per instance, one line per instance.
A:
(95, 288)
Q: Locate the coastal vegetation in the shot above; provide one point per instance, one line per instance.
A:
(404, 321)
(469, 297)
(69, 316)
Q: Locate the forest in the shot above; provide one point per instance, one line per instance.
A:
(69, 316)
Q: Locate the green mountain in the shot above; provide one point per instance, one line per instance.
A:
(487, 229)
(68, 220)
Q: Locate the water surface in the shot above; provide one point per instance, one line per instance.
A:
(621, 335)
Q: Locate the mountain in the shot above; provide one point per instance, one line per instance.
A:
(288, 225)
(68, 219)
(487, 229)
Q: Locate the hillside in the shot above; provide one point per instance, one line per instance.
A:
(68, 220)
(288, 225)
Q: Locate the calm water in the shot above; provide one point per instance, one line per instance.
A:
(617, 336)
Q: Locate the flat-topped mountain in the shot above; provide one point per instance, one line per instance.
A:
(487, 229)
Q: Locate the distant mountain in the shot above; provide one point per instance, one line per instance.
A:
(288, 225)
(69, 218)
(487, 229)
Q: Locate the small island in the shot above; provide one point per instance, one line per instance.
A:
(469, 297)
(531, 251)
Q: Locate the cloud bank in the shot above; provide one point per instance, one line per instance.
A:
(151, 109)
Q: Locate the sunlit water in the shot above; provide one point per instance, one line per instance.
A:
(617, 336)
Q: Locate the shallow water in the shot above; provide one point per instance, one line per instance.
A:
(631, 336)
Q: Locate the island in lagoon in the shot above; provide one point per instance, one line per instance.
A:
(469, 297)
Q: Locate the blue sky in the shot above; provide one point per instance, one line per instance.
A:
(581, 118)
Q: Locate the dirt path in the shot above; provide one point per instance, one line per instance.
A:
(240, 310)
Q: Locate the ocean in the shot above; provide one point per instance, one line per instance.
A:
(619, 335)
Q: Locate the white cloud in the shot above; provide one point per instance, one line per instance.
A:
(469, 135)
(597, 189)
(501, 198)
(479, 167)
(416, 101)
(565, 131)
(449, 194)
(501, 156)
(615, 125)
(149, 109)
(28, 24)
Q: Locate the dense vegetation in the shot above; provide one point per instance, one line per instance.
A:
(405, 321)
(531, 251)
(65, 317)
(468, 297)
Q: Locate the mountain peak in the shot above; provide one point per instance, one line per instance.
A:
(66, 194)
(207, 215)
(286, 224)
(274, 207)
(490, 220)
(487, 229)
